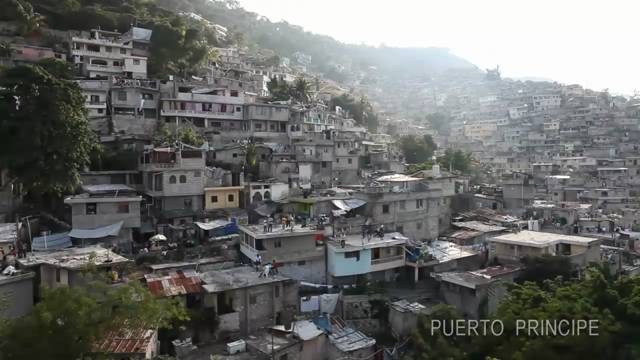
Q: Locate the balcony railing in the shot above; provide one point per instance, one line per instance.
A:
(387, 259)
(199, 113)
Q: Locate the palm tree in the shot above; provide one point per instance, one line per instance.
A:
(30, 20)
(300, 90)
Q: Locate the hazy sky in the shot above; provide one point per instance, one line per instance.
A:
(594, 43)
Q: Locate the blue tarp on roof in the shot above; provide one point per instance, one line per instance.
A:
(51, 242)
(322, 321)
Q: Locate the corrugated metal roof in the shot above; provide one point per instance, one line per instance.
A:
(181, 282)
(125, 341)
(8, 232)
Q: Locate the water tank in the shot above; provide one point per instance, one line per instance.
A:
(236, 347)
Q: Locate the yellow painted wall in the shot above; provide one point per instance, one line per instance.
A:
(222, 195)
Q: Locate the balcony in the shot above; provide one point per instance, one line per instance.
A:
(202, 114)
(103, 68)
(387, 260)
(96, 104)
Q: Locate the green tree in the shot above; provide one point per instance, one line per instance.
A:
(456, 160)
(186, 135)
(438, 121)
(613, 302)
(300, 90)
(547, 267)
(279, 89)
(30, 21)
(431, 343)
(417, 149)
(45, 140)
(67, 322)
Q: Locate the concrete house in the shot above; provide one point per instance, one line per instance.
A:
(100, 54)
(299, 253)
(510, 248)
(476, 293)
(403, 204)
(103, 206)
(174, 179)
(67, 267)
(245, 303)
(17, 293)
(134, 106)
(375, 258)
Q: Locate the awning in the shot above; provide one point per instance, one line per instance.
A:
(349, 204)
(51, 242)
(212, 224)
(101, 232)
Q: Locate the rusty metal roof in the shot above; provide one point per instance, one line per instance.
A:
(125, 341)
(180, 282)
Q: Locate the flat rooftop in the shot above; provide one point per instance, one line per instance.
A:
(356, 242)
(478, 226)
(444, 251)
(235, 278)
(7, 279)
(473, 279)
(257, 231)
(541, 239)
(74, 258)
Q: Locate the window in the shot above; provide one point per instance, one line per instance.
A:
(216, 124)
(234, 93)
(419, 226)
(230, 198)
(107, 49)
(91, 208)
(302, 262)
(403, 204)
(400, 229)
(419, 204)
(385, 208)
(123, 208)
(100, 111)
(350, 161)
(95, 99)
(238, 109)
(57, 275)
(352, 254)
(277, 291)
(324, 164)
(122, 95)
(188, 203)
(196, 173)
(136, 62)
(253, 299)
(338, 160)
(183, 179)
(149, 113)
(277, 243)
(123, 51)
(172, 179)
(214, 199)
(234, 155)
(147, 96)
(258, 126)
(284, 357)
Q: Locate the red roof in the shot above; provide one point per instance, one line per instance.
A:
(174, 283)
(126, 341)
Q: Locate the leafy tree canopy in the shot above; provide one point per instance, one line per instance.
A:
(417, 149)
(67, 322)
(360, 109)
(614, 303)
(45, 140)
(185, 135)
